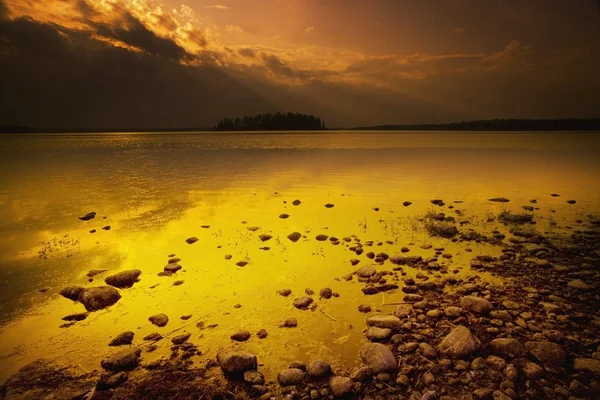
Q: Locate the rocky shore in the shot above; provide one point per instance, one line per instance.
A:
(536, 335)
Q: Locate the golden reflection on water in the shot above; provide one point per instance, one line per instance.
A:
(157, 191)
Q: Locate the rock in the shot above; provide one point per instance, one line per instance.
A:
(284, 216)
(588, 365)
(111, 381)
(340, 386)
(191, 240)
(571, 201)
(498, 395)
(499, 199)
(99, 297)
(294, 236)
(579, 284)
(329, 205)
(75, 317)
(326, 293)
(153, 336)
(241, 263)
(403, 310)
(406, 203)
(72, 292)
(366, 271)
(296, 202)
(547, 353)
(88, 216)
(475, 304)
(361, 374)
(428, 351)
(321, 238)
(284, 292)
(106, 228)
(122, 339)
(290, 376)
(95, 272)
(159, 320)
(319, 369)
(378, 334)
(178, 283)
(172, 268)
(290, 323)
(459, 343)
(241, 336)
(124, 279)
(124, 360)
(302, 303)
(364, 308)
(531, 371)
(264, 237)
(378, 357)
(507, 348)
(262, 334)
(453, 312)
(385, 321)
(236, 362)
(180, 339)
(254, 377)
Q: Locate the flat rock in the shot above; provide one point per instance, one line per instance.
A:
(499, 199)
(340, 386)
(587, 364)
(95, 272)
(124, 279)
(72, 292)
(476, 304)
(88, 216)
(180, 339)
(254, 377)
(75, 317)
(579, 284)
(403, 310)
(291, 376)
(122, 339)
(366, 271)
(547, 353)
(191, 240)
(99, 297)
(378, 357)
(159, 320)
(507, 348)
(236, 362)
(378, 334)
(123, 361)
(302, 303)
(459, 343)
(172, 268)
(385, 321)
(241, 336)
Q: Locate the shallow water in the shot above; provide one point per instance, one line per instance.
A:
(156, 190)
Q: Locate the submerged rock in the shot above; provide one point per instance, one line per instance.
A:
(406, 203)
(75, 317)
(191, 240)
(385, 321)
(366, 271)
(236, 362)
(124, 279)
(329, 205)
(97, 298)
(321, 237)
(88, 216)
(284, 292)
(72, 292)
(180, 339)
(122, 339)
(459, 343)
(326, 293)
(319, 369)
(123, 361)
(159, 320)
(499, 199)
(296, 202)
(254, 377)
(302, 303)
(294, 236)
(241, 336)
(264, 237)
(95, 272)
(172, 268)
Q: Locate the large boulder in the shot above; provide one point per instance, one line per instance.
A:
(319, 369)
(476, 304)
(507, 348)
(379, 357)
(459, 343)
(547, 353)
(122, 361)
(236, 362)
(97, 298)
(124, 279)
(291, 376)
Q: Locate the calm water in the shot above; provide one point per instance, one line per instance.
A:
(156, 190)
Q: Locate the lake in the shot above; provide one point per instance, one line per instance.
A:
(156, 190)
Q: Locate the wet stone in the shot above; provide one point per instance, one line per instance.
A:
(172, 268)
(547, 353)
(284, 292)
(364, 308)
(123, 360)
(319, 369)
(340, 386)
(326, 293)
(89, 216)
(290, 323)
(459, 343)
(241, 336)
(321, 238)
(241, 263)
(378, 357)
(254, 377)
(97, 298)
(159, 320)
(180, 339)
(75, 317)
(191, 240)
(302, 303)
(294, 236)
(366, 271)
(125, 338)
(290, 376)
(378, 334)
(236, 362)
(262, 334)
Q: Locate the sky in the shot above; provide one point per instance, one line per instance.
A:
(150, 64)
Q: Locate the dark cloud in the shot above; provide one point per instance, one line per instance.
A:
(247, 52)
(281, 68)
(2, 10)
(136, 34)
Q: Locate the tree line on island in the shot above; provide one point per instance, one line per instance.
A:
(272, 122)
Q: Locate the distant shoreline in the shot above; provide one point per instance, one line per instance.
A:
(496, 125)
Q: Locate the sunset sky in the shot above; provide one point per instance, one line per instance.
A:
(109, 64)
